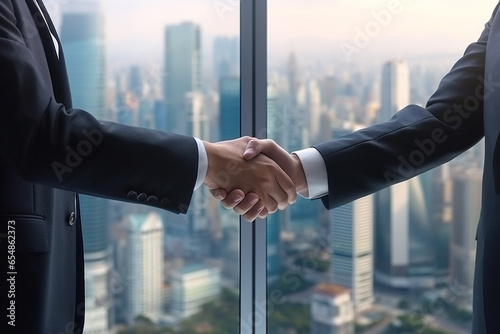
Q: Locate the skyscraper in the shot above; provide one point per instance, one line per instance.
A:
(395, 88)
(229, 105)
(466, 208)
(144, 266)
(182, 72)
(404, 255)
(82, 36)
(226, 56)
(351, 263)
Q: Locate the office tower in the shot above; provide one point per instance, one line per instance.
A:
(144, 260)
(229, 108)
(226, 57)
(314, 106)
(466, 208)
(405, 240)
(404, 253)
(395, 88)
(351, 235)
(193, 286)
(351, 263)
(82, 36)
(293, 83)
(182, 72)
(331, 310)
(329, 90)
(197, 122)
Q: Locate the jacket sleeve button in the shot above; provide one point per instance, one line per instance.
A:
(165, 202)
(72, 218)
(152, 199)
(132, 195)
(142, 197)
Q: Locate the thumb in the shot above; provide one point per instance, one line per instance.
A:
(219, 194)
(253, 149)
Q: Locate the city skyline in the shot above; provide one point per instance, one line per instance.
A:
(306, 103)
(134, 30)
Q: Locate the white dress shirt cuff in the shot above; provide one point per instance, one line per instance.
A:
(202, 164)
(315, 171)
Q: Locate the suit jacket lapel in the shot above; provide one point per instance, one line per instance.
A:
(56, 64)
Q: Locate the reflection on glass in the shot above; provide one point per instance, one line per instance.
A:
(382, 262)
(171, 66)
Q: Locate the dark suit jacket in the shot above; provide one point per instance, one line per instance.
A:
(49, 151)
(465, 107)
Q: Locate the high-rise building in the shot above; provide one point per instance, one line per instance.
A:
(404, 253)
(466, 208)
(182, 72)
(144, 260)
(82, 37)
(351, 263)
(395, 88)
(292, 79)
(226, 56)
(229, 105)
(331, 310)
(351, 235)
(193, 286)
(314, 106)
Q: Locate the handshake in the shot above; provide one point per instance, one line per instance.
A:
(253, 177)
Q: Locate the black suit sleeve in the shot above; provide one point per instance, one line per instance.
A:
(69, 149)
(416, 139)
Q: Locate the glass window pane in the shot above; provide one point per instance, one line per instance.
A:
(335, 67)
(171, 66)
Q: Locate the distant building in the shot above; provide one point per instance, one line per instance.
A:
(395, 88)
(144, 266)
(466, 208)
(404, 239)
(182, 72)
(351, 235)
(82, 38)
(226, 56)
(193, 286)
(331, 310)
(229, 108)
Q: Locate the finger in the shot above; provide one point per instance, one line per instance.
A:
(287, 186)
(253, 149)
(270, 204)
(218, 194)
(233, 198)
(246, 204)
(283, 190)
(254, 212)
(263, 214)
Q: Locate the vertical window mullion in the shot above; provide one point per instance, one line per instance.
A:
(253, 109)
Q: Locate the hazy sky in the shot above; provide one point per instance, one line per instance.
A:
(135, 28)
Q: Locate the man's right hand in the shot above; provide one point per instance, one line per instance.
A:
(290, 163)
(256, 176)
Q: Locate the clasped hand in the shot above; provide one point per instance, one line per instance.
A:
(253, 177)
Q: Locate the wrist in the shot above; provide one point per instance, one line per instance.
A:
(298, 177)
(210, 149)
